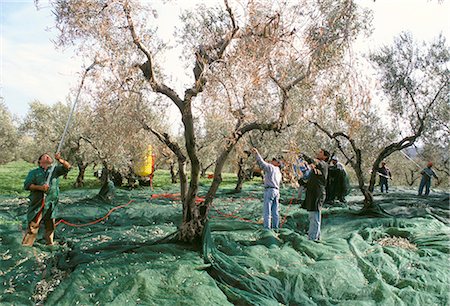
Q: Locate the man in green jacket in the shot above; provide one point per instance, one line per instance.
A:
(43, 197)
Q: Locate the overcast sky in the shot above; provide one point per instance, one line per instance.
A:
(32, 69)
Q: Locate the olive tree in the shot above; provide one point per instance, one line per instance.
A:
(245, 60)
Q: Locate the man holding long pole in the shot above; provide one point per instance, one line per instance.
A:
(43, 184)
(425, 182)
(384, 173)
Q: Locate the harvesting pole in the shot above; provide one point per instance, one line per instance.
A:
(66, 128)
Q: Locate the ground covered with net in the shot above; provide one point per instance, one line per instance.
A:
(130, 257)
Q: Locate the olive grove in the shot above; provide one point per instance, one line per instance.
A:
(242, 60)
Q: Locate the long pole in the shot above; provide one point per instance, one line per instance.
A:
(410, 159)
(66, 128)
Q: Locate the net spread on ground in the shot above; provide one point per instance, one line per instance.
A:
(131, 258)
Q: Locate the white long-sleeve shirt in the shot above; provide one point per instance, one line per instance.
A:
(272, 174)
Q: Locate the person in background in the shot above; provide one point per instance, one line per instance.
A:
(316, 191)
(272, 181)
(337, 182)
(43, 197)
(385, 174)
(427, 174)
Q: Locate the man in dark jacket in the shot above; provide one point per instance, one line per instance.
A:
(425, 182)
(43, 197)
(316, 191)
(384, 173)
(338, 185)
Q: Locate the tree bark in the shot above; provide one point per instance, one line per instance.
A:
(81, 172)
(192, 226)
(240, 176)
(173, 175)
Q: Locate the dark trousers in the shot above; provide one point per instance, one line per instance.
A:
(384, 183)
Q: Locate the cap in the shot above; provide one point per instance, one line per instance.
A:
(335, 158)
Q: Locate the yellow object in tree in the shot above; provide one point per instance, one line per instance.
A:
(144, 166)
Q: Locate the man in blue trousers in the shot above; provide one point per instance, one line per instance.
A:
(272, 180)
(427, 174)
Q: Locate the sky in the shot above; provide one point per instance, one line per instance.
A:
(31, 68)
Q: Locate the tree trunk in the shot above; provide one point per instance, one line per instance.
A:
(370, 208)
(183, 183)
(240, 176)
(173, 175)
(81, 172)
(104, 177)
(411, 178)
(368, 199)
(192, 226)
(117, 178)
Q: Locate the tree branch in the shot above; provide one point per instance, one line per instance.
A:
(334, 137)
(203, 60)
(148, 67)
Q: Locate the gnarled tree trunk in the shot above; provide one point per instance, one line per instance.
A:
(81, 172)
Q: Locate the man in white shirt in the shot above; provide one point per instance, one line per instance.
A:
(272, 181)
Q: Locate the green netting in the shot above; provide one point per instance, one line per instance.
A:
(131, 258)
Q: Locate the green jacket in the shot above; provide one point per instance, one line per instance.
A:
(38, 176)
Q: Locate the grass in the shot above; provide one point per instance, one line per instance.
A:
(13, 174)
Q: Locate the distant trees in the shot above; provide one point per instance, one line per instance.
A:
(101, 133)
(43, 126)
(8, 135)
